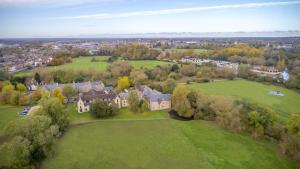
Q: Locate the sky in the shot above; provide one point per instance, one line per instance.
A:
(63, 18)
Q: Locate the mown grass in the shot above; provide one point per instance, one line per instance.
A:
(257, 92)
(124, 113)
(8, 114)
(162, 143)
(84, 63)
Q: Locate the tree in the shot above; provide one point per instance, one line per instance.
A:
(123, 83)
(53, 108)
(15, 98)
(280, 65)
(255, 123)
(133, 101)
(17, 153)
(4, 75)
(188, 70)
(120, 68)
(102, 109)
(35, 96)
(290, 146)
(23, 100)
(175, 68)
(57, 92)
(180, 102)
(6, 93)
(169, 85)
(69, 92)
(20, 87)
(227, 113)
(40, 134)
(203, 108)
(293, 124)
(37, 77)
(143, 106)
(243, 71)
(138, 76)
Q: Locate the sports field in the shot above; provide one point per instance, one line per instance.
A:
(258, 92)
(164, 143)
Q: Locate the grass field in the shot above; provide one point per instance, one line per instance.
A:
(166, 143)
(76, 117)
(84, 63)
(7, 114)
(258, 92)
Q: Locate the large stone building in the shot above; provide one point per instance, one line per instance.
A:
(155, 99)
(79, 87)
(87, 98)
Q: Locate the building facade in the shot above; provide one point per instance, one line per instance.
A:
(87, 98)
(155, 99)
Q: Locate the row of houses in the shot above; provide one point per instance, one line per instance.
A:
(259, 70)
(218, 63)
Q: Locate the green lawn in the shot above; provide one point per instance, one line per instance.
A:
(166, 143)
(84, 63)
(124, 113)
(258, 92)
(7, 114)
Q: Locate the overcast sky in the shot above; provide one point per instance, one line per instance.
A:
(57, 18)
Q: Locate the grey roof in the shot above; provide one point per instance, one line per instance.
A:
(78, 86)
(153, 95)
(93, 94)
(109, 88)
(123, 95)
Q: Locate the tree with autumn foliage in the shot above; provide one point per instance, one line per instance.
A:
(58, 93)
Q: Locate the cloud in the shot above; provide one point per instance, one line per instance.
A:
(178, 10)
(51, 2)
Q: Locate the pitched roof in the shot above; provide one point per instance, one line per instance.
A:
(80, 86)
(93, 94)
(153, 95)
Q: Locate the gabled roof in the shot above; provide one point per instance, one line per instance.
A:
(153, 95)
(80, 86)
(93, 94)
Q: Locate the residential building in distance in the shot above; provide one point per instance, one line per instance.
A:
(218, 63)
(266, 71)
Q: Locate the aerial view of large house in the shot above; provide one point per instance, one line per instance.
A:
(87, 98)
(156, 100)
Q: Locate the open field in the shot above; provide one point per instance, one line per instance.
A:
(7, 114)
(162, 143)
(258, 92)
(84, 63)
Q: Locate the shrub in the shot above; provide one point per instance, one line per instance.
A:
(102, 109)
